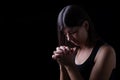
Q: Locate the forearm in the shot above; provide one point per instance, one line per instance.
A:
(73, 73)
(63, 73)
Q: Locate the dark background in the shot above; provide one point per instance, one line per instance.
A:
(30, 36)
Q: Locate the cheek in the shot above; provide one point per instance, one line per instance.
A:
(85, 34)
(82, 34)
(77, 36)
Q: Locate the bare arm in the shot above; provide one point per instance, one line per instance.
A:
(65, 58)
(105, 61)
(63, 73)
(74, 73)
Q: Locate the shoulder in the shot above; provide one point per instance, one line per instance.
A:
(106, 54)
(108, 49)
(105, 62)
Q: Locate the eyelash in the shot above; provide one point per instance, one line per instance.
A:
(73, 32)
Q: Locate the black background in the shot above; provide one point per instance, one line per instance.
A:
(29, 35)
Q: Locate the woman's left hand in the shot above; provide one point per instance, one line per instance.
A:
(67, 57)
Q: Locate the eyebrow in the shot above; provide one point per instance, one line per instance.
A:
(72, 31)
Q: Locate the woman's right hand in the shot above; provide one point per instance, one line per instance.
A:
(64, 55)
(58, 53)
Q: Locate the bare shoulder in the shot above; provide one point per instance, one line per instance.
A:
(106, 53)
(107, 48)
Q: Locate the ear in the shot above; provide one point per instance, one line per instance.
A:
(86, 25)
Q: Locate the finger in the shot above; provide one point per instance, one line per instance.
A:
(57, 48)
(71, 51)
(67, 48)
(58, 52)
(63, 49)
(56, 56)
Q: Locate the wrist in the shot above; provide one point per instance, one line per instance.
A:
(61, 66)
(70, 66)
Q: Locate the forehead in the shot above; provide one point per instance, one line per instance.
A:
(66, 29)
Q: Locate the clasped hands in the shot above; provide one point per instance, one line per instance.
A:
(64, 55)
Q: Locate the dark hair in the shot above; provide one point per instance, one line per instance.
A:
(72, 16)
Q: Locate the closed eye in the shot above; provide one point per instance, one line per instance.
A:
(73, 32)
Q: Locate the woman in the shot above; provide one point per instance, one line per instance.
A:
(81, 54)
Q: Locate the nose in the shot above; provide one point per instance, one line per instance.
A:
(68, 37)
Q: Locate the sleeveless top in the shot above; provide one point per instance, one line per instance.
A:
(86, 67)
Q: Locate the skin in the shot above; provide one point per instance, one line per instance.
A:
(105, 60)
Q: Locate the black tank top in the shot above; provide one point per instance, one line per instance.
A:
(86, 67)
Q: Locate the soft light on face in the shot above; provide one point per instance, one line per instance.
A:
(76, 35)
(71, 34)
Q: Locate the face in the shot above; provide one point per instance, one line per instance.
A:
(76, 35)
